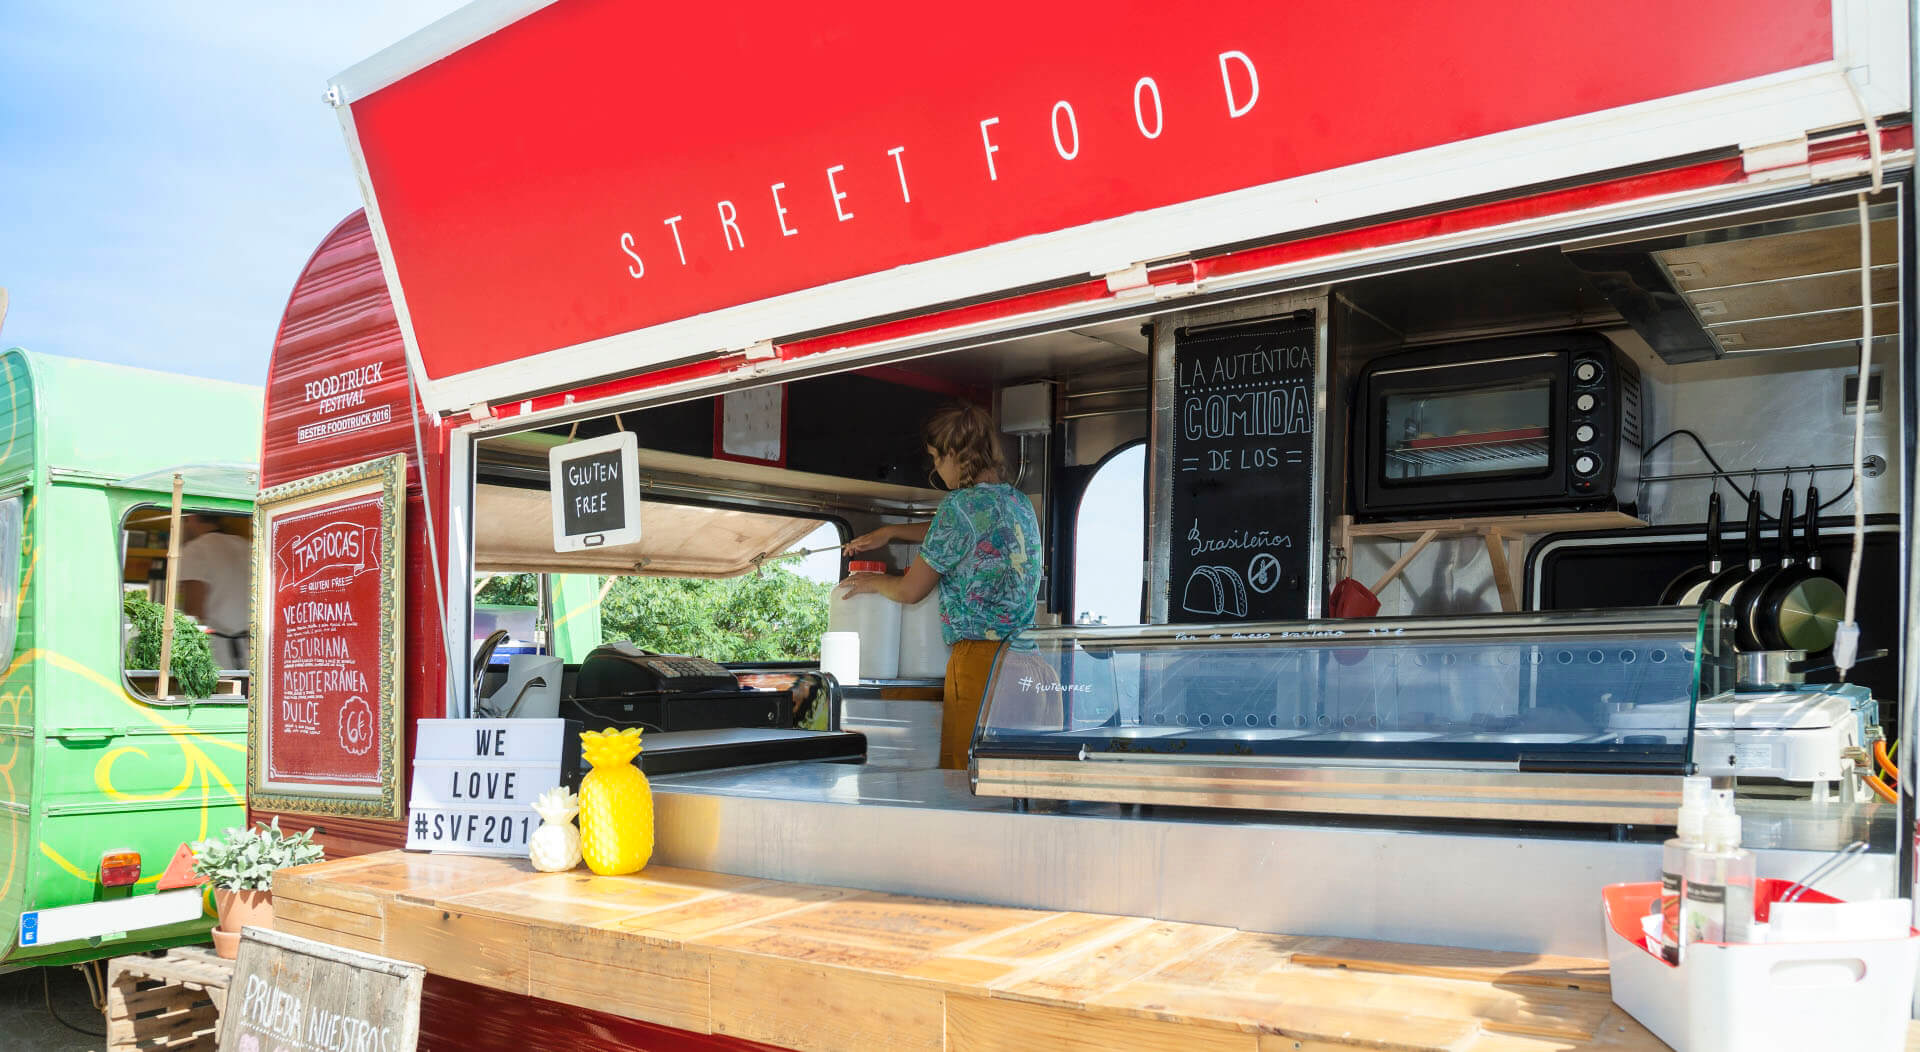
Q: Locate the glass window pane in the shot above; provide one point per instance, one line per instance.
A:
(1109, 542)
(1502, 430)
(10, 529)
(1316, 690)
(214, 594)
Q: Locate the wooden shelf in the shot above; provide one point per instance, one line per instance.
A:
(1501, 533)
(1512, 525)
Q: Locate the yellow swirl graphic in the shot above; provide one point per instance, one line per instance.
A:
(196, 763)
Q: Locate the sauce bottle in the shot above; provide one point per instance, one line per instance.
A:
(1689, 835)
(1718, 898)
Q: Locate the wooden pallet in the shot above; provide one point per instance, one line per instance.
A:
(169, 1002)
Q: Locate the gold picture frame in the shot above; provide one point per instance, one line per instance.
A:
(381, 482)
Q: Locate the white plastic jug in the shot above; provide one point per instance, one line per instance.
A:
(875, 619)
(923, 650)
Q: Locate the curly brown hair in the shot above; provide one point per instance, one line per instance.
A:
(967, 433)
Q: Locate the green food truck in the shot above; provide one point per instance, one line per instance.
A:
(106, 768)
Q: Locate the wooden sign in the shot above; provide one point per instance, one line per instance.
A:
(290, 993)
(325, 728)
(596, 492)
(474, 782)
(1244, 481)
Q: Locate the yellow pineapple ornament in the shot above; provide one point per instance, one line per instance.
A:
(616, 804)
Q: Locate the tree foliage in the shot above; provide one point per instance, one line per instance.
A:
(771, 615)
(511, 589)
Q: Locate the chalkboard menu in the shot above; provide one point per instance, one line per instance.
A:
(1243, 471)
(326, 734)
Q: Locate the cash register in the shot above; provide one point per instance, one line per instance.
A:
(696, 714)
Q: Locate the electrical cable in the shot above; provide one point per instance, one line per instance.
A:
(1880, 789)
(46, 987)
(1846, 639)
(1723, 475)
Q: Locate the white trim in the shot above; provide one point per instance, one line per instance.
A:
(1767, 109)
(459, 556)
(91, 920)
(468, 25)
(1271, 281)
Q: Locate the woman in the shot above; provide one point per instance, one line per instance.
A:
(982, 550)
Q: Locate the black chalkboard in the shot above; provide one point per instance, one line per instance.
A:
(592, 489)
(596, 496)
(1243, 474)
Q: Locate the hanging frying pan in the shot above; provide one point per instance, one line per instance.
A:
(1803, 607)
(1686, 589)
(1721, 586)
(1746, 598)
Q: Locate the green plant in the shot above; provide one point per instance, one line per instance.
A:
(193, 672)
(772, 615)
(246, 859)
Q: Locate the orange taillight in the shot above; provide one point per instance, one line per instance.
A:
(119, 869)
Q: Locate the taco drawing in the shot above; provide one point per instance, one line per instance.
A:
(1215, 590)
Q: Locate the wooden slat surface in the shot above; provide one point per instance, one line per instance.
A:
(828, 968)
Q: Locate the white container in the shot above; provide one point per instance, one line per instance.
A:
(840, 656)
(923, 649)
(1763, 997)
(875, 619)
(531, 690)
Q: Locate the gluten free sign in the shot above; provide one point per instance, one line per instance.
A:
(596, 492)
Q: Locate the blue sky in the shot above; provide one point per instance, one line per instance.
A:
(167, 168)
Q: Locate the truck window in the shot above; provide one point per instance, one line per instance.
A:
(11, 526)
(774, 613)
(1109, 534)
(213, 596)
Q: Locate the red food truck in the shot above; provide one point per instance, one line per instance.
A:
(1479, 304)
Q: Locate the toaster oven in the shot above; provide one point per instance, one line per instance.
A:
(1524, 424)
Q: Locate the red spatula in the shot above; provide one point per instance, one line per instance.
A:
(1350, 598)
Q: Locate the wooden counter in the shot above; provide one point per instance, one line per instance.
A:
(833, 968)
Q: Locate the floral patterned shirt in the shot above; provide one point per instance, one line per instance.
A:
(985, 543)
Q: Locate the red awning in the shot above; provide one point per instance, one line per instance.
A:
(573, 191)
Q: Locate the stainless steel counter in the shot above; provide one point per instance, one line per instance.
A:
(901, 732)
(1497, 886)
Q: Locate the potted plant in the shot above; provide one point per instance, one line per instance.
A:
(241, 868)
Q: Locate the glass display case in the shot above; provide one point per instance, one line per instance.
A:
(1559, 716)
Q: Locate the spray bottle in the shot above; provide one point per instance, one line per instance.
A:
(1718, 896)
(1690, 835)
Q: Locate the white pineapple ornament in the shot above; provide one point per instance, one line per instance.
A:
(555, 846)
